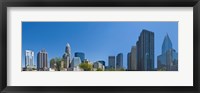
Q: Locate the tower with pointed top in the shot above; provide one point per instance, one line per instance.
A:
(66, 56)
(167, 44)
(168, 60)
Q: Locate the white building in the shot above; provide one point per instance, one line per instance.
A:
(29, 59)
(97, 65)
(76, 61)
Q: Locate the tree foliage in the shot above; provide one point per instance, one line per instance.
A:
(99, 69)
(86, 66)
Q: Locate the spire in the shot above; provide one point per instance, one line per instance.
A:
(68, 49)
(167, 44)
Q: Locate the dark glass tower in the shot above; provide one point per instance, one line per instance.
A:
(80, 55)
(111, 62)
(119, 61)
(145, 51)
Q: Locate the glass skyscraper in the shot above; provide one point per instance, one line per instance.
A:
(111, 62)
(42, 59)
(80, 55)
(168, 60)
(119, 61)
(145, 51)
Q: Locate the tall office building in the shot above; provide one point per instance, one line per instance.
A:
(111, 62)
(29, 59)
(133, 59)
(42, 59)
(145, 51)
(80, 55)
(67, 56)
(119, 61)
(168, 60)
(129, 61)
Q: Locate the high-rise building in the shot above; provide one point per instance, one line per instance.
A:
(119, 61)
(111, 62)
(168, 60)
(29, 59)
(102, 62)
(42, 59)
(80, 55)
(129, 61)
(67, 56)
(145, 51)
(133, 59)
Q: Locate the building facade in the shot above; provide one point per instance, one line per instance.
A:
(133, 59)
(145, 51)
(67, 56)
(97, 65)
(76, 61)
(168, 60)
(111, 62)
(29, 59)
(42, 58)
(80, 55)
(119, 61)
(129, 61)
(102, 62)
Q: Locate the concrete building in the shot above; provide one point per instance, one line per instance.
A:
(67, 56)
(42, 60)
(29, 59)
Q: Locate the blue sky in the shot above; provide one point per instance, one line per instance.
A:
(97, 40)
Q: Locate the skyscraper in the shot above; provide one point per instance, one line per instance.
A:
(111, 62)
(67, 55)
(119, 61)
(129, 61)
(168, 60)
(80, 55)
(133, 59)
(145, 51)
(42, 59)
(29, 59)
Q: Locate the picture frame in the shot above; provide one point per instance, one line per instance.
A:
(99, 3)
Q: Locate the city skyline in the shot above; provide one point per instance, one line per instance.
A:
(108, 25)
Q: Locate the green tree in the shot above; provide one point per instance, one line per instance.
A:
(162, 69)
(110, 69)
(86, 66)
(99, 69)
